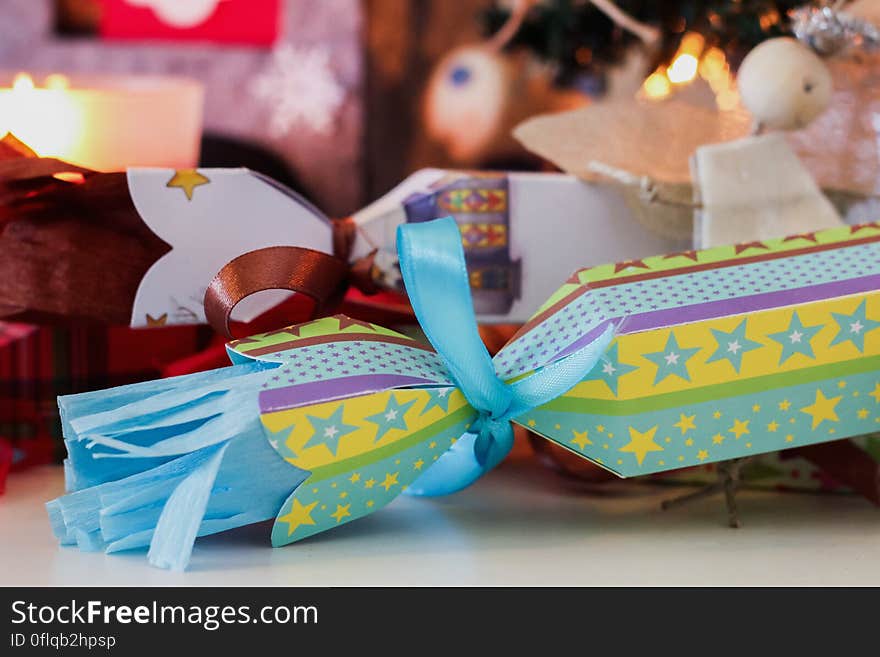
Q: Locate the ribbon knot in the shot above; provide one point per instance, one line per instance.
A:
(433, 268)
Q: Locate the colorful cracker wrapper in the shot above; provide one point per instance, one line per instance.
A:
(642, 366)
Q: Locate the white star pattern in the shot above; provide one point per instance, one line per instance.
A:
(330, 431)
(301, 88)
(795, 336)
(391, 415)
(734, 346)
(671, 358)
(856, 327)
(609, 369)
(443, 392)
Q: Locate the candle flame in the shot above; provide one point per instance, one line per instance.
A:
(57, 81)
(47, 119)
(22, 83)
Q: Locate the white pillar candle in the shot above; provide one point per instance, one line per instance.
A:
(105, 123)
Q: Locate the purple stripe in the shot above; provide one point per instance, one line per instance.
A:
(584, 340)
(738, 306)
(280, 399)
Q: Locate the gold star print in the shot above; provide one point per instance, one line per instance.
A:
(841, 384)
(600, 428)
(418, 464)
(789, 438)
(187, 180)
(689, 442)
(341, 512)
(702, 455)
(370, 504)
(685, 423)
(784, 405)
(343, 495)
(739, 428)
(756, 408)
(875, 393)
(773, 426)
(641, 443)
(580, 439)
(822, 409)
(369, 483)
(717, 439)
(161, 320)
(390, 480)
(531, 422)
(432, 444)
(356, 477)
(863, 413)
(299, 515)
(716, 414)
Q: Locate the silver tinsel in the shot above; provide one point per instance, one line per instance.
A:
(828, 30)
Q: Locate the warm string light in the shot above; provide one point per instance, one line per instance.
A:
(693, 59)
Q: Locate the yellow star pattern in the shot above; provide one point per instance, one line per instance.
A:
(369, 483)
(600, 428)
(773, 426)
(641, 443)
(784, 405)
(702, 455)
(875, 393)
(418, 464)
(739, 428)
(390, 480)
(822, 409)
(341, 512)
(689, 442)
(354, 478)
(187, 180)
(789, 438)
(717, 439)
(756, 408)
(716, 415)
(580, 439)
(299, 515)
(685, 423)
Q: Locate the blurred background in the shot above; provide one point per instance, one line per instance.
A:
(342, 99)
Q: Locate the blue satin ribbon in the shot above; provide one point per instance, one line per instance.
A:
(433, 268)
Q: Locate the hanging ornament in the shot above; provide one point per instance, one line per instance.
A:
(478, 93)
(302, 90)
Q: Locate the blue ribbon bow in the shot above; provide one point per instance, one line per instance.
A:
(433, 267)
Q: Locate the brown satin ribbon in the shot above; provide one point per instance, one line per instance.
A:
(320, 276)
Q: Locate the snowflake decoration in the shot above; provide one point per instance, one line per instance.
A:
(301, 88)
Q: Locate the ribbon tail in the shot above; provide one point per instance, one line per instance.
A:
(460, 465)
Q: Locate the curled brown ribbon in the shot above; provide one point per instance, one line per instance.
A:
(320, 276)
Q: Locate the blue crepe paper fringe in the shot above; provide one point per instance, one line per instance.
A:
(157, 464)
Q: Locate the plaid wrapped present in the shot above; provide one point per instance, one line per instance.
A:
(39, 363)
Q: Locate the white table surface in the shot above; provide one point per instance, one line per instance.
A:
(521, 525)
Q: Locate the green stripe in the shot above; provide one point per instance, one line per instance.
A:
(367, 458)
(709, 393)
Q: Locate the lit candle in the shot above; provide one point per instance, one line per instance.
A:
(105, 123)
